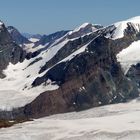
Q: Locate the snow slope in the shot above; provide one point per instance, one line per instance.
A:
(129, 56)
(1, 24)
(112, 122)
(30, 47)
(122, 25)
(78, 28)
(85, 25)
(34, 40)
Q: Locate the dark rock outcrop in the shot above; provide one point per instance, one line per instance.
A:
(50, 38)
(28, 36)
(17, 36)
(9, 51)
(134, 74)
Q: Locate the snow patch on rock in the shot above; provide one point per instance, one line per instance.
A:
(33, 40)
(129, 56)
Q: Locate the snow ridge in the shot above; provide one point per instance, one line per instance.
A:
(79, 28)
(122, 25)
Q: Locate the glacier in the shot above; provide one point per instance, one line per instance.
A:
(111, 122)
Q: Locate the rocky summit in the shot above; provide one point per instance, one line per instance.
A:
(17, 36)
(71, 70)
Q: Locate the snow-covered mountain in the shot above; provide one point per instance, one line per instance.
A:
(71, 71)
(123, 26)
(27, 35)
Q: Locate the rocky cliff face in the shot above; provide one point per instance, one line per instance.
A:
(17, 36)
(9, 51)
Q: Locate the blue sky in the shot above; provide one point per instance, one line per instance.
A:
(47, 16)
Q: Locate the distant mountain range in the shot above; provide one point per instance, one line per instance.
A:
(27, 35)
(68, 71)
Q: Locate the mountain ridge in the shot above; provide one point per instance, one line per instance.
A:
(77, 70)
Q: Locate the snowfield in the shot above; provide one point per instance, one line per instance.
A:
(129, 56)
(112, 122)
(34, 40)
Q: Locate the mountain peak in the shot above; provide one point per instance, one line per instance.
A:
(1, 23)
(82, 26)
(11, 29)
(121, 26)
(17, 36)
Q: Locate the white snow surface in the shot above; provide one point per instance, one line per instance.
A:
(122, 25)
(129, 56)
(30, 47)
(79, 28)
(34, 40)
(112, 122)
(1, 23)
